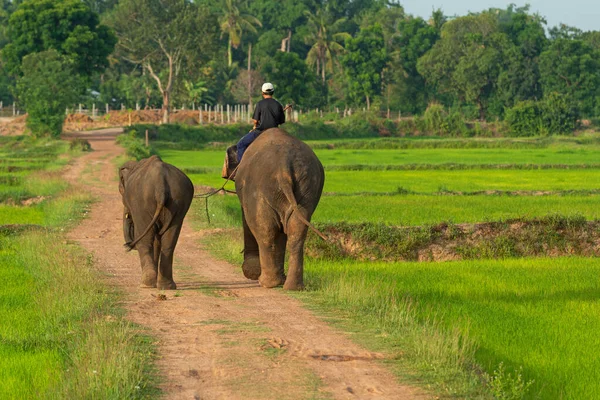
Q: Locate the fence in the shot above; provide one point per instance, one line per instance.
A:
(205, 114)
(10, 110)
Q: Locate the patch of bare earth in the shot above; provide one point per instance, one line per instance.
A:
(221, 336)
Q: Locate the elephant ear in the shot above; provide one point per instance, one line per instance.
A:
(124, 173)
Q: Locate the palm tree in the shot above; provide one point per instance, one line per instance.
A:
(325, 38)
(234, 22)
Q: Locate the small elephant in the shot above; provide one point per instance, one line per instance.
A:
(279, 183)
(156, 196)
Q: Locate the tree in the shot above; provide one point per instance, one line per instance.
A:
(520, 78)
(324, 38)
(572, 67)
(163, 36)
(7, 7)
(413, 39)
(245, 84)
(282, 20)
(363, 62)
(101, 6)
(49, 84)
(234, 22)
(466, 61)
(68, 26)
(295, 83)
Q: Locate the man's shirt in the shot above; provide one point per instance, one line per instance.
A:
(269, 114)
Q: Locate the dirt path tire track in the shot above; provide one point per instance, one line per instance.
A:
(221, 336)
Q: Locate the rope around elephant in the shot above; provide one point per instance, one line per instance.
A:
(206, 195)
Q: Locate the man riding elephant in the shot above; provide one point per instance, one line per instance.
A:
(269, 113)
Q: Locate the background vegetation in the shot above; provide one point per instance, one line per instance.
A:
(499, 64)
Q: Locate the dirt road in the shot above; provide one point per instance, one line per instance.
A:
(221, 336)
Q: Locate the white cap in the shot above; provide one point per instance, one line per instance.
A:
(268, 88)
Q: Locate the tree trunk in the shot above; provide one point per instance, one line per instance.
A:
(368, 102)
(166, 106)
(318, 70)
(229, 55)
(481, 109)
(289, 41)
(249, 76)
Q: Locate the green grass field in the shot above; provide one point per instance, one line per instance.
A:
(61, 335)
(416, 210)
(553, 156)
(539, 314)
(518, 320)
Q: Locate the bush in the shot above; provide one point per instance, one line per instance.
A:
(554, 115)
(434, 118)
(134, 146)
(524, 119)
(80, 144)
(454, 125)
(559, 114)
(439, 122)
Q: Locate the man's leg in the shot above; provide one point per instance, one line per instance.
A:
(245, 142)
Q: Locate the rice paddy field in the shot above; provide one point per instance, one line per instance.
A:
(482, 328)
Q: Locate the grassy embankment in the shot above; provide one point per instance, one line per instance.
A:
(62, 335)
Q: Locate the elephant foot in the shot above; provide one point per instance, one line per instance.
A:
(293, 285)
(148, 279)
(251, 268)
(271, 282)
(166, 285)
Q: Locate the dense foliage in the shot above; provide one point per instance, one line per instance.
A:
(319, 54)
(49, 84)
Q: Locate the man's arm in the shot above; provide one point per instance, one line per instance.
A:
(256, 116)
(281, 114)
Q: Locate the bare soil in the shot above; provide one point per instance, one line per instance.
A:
(221, 336)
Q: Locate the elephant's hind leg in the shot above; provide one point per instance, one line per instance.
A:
(297, 231)
(251, 265)
(168, 241)
(149, 268)
(272, 256)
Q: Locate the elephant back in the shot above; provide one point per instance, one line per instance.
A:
(276, 157)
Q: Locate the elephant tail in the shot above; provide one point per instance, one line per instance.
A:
(286, 188)
(161, 204)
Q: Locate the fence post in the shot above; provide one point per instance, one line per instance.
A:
(399, 115)
(1, 104)
(14, 109)
(147, 144)
(228, 115)
(93, 110)
(107, 108)
(222, 116)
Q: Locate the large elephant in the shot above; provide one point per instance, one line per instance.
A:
(156, 197)
(279, 183)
